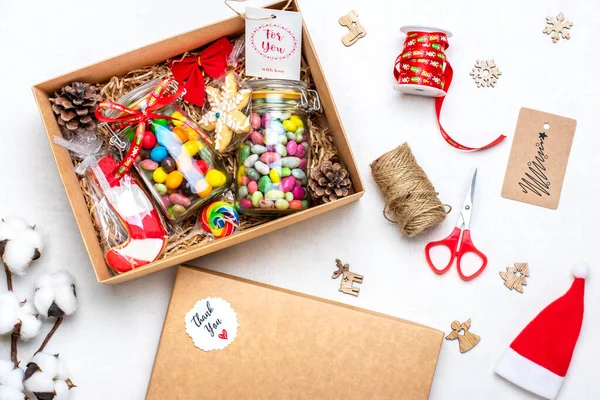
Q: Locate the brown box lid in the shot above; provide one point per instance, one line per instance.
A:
(290, 346)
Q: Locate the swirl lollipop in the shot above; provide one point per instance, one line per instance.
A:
(220, 218)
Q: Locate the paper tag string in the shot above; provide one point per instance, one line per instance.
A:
(243, 15)
(423, 62)
(128, 117)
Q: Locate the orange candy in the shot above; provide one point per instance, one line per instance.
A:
(174, 180)
(180, 133)
(203, 189)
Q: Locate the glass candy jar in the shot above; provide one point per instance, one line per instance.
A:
(176, 163)
(272, 163)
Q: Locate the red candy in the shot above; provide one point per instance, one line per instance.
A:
(202, 166)
(149, 140)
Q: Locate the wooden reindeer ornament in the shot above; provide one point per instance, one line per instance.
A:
(348, 278)
(351, 22)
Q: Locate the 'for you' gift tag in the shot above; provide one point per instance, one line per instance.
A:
(212, 324)
(538, 158)
(273, 43)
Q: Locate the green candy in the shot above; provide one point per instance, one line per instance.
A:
(298, 173)
(290, 135)
(289, 196)
(264, 184)
(298, 137)
(304, 203)
(282, 204)
(256, 197)
(253, 174)
(161, 122)
(285, 171)
(244, 153)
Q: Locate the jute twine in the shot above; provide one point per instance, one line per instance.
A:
(410, 198)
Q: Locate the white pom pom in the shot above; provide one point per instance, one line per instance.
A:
(17, 256)
(580, 270)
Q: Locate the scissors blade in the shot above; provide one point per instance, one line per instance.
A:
(467, 208)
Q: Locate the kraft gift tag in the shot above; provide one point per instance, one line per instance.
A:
(273, 43)
(538, 158)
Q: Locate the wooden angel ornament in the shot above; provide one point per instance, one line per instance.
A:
(348, 278)
(466, 339)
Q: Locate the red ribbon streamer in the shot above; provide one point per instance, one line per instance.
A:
(128, 117)
(189, 72)
(423, 62)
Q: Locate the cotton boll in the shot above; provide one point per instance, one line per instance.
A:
(61, 388)
(47, 377)
(30, 326)
(40, 382)
(9, 312)
(20, 244)
(11, 376)
(11, 393)
(55, 295)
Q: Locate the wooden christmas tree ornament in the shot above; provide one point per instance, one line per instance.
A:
(466, 339)
(357, 31)
(348, 278)
(515, 277)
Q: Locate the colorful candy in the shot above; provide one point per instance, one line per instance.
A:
(179, 168)
(271, 176)
(220, 218)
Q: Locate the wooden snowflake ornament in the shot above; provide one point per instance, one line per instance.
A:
(557, 27)
(485, 73)
(225, 116)
(515, 277)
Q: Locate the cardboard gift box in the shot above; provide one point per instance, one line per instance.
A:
(155, 53)
(290, 346)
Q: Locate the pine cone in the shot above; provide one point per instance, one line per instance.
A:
(74, 107)
(328, 182)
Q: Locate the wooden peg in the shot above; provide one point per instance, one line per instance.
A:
(466, 339)
(348, 278)
(357, 31)
(516, 277)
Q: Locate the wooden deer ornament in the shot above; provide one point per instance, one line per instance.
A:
(351, 22)
(348, 278)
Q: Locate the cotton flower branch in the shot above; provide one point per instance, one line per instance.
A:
(20, 244)
(11, 381)
(47, 377)
(19, 320)
(55, 296)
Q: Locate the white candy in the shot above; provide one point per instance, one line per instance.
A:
(11, 312)
(22, 241)
(58, 288)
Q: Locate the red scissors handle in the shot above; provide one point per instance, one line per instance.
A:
(451, 242)
(466, 246)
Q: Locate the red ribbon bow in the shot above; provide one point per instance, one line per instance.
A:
(189, 72)
(128, 116)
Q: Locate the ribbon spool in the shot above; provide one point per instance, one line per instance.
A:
(422, 69)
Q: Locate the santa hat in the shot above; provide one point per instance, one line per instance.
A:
(538, 359)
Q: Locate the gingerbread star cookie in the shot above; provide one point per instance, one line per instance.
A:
(225, 116)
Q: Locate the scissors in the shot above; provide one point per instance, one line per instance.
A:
(459, 242)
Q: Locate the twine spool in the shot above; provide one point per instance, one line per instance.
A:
(410, 198)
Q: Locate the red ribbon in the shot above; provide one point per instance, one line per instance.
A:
(189, 72)
(128, 116)
(423, 62)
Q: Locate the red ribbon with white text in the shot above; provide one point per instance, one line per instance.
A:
(423, 62)
(159, 98)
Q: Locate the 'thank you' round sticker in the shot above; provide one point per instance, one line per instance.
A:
(212, 324)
